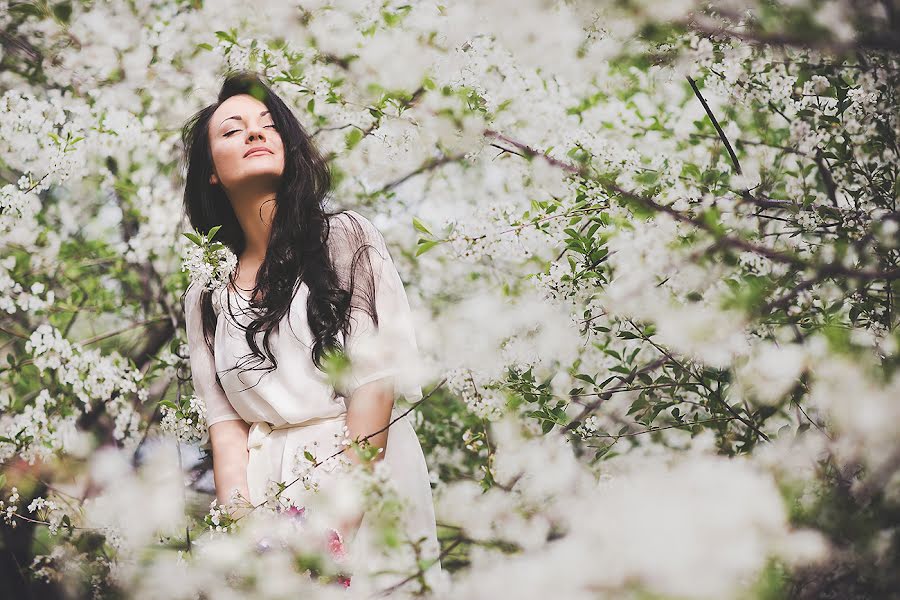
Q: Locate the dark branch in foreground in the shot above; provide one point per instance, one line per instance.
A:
(715, 122)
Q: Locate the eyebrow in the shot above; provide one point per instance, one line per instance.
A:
(265, 112)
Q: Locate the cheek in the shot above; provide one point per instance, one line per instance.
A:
(222, 152)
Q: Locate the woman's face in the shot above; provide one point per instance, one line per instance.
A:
(247, 151)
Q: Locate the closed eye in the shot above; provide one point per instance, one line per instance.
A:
(233, 130)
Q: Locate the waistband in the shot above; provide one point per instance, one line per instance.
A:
(261, 429)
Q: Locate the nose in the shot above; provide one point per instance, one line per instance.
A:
(255, 132)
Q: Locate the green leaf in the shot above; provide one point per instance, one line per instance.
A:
(607, 380)
(420, 226)
(225, 36)
(213, 231)
(26, 9)
(560, 416)
(353, 137)
(712, 218)
(637, 405)
(194, 238)
(63, 11)
(425, 246)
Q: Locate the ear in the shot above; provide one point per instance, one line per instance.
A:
(213, 179)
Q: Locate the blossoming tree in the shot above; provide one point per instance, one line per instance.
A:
(653, 249)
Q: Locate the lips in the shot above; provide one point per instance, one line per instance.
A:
(257, 150)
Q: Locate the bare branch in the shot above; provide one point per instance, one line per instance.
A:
(715, 122)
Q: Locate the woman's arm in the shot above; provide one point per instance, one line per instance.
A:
(368, 411)
(230, 456)
(227, 430)
(381, 347)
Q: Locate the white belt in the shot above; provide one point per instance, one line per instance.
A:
(260, 430)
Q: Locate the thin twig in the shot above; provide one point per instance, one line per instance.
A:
(452, 546)
(652, 429)
(344, 449)
(715, 122)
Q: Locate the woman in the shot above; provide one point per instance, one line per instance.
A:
(307, 282)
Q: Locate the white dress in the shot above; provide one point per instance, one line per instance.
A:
(295, 408)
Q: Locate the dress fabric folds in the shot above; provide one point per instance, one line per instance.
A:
(295, 409)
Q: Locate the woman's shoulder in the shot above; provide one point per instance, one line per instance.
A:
(355, 226)
(193, 294)
(348, 217)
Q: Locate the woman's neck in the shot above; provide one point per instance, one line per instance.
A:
(255, 215)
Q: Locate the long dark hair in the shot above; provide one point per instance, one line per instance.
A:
(298, 250)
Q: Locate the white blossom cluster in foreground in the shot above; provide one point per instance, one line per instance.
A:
(652, 250)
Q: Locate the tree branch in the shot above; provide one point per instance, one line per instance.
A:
(715, 122)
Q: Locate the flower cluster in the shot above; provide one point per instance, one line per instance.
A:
(304, 468)
(90, 380)
(482, 401)
(220, 517)
(10, 507)
(186, 420)
(49, 511)
(209, 263)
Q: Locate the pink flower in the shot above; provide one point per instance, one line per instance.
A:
(338, 553)
(295, 513)
(336, 544)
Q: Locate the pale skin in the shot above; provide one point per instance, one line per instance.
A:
(251, 182)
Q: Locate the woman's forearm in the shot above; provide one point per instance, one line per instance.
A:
(230, 457)
(368, 411)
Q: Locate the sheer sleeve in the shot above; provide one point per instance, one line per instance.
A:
(388, 348)
(203, 365)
